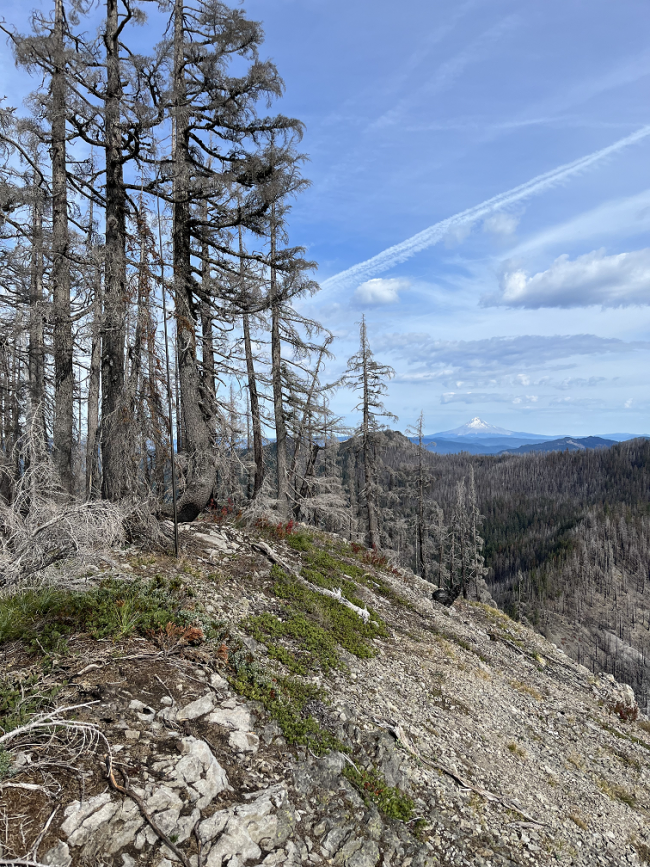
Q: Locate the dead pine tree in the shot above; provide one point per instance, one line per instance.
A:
(369, 379)
(420, 529)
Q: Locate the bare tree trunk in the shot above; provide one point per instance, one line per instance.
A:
(63, 373)
(36, 340)
(114, 445)
(256, 421)
(253, 396)
(368, 450)
(197, 435)
(93, 392)
(207, 350)
(276, 377)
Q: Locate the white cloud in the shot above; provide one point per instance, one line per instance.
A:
(503, 225)
(628, 404)
(380, 290)
(621, 280)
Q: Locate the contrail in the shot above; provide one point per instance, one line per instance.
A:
(428, 237)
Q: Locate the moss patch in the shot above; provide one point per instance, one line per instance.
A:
(316, 626)
(373, 788)
(285, 700)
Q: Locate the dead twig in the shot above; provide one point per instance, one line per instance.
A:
(128, 791)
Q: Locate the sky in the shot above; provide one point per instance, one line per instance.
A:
(480, 191)
(530, 311)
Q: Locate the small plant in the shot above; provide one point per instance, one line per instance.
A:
(5, 764)
(529, 690)
(373, 788)
(616, 792)
(625, 712)
(516, 750)
(299, 541)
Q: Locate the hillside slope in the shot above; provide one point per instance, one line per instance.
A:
(224, 710)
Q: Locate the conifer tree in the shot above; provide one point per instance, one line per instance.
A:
(369, 378)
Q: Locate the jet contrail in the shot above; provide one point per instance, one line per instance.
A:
(401, 252)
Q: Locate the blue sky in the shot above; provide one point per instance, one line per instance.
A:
(534, 316)
(531, 312)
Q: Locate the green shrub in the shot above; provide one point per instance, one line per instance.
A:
(373, 788)
(44, 619)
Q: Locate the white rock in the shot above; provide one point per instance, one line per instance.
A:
(164, 799)
(244, 742)
(128, 861)
(76, 812)
(218, 682)
(90, 825)
(233, 843)
(58, 856)
(212, 827)
(235, 719)
(197, 708)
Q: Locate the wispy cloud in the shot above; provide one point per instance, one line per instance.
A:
(449, 71)
(380, 290)
(475, 397)
(428, 237)
(498, 355)
(621, 280)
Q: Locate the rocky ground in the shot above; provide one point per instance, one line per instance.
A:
(266, 729)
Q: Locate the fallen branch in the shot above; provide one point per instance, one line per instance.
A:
(128, 791)
(268, 552)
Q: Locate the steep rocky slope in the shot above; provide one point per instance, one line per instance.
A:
(230, 709)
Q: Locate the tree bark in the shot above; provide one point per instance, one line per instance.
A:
(115, 481)
(63, 346)
(36, 340)
(276, 377)
(197, 435)
(258, 449)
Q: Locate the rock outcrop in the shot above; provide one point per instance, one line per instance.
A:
(454, 736)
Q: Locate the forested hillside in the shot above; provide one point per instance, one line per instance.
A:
(567, 538)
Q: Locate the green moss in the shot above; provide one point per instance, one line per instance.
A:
(5, 764)
(299, 541)
(319, 623)
(373, 788)
(284, 698)
(19, 701)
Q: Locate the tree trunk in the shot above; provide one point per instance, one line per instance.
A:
(207, 350)
(63, 373)
(253, 396)
(256, 421)
(36, 340)
(115, 480)
(368, 450)
(276, 377)
(197, 435)
(92, 465)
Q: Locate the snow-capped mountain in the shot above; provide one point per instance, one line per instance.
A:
(477, 428)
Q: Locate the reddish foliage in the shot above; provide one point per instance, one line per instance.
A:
(222, 652)
(174, 634)
(625, 712)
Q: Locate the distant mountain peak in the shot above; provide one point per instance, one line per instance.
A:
(478, 426)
